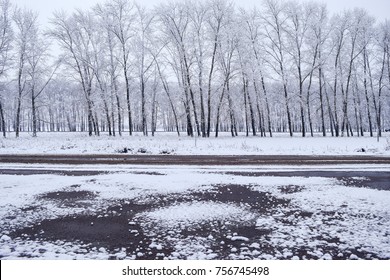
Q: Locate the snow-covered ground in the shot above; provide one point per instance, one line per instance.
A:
(78, 143)
(192, 213)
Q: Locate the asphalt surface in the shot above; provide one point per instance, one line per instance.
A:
(109, 226)
(201, 160)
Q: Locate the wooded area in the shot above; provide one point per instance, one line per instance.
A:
(195, 68)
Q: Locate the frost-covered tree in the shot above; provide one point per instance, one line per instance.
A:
(6, 34)
(200, 67)
(26, 31)
(75, 36)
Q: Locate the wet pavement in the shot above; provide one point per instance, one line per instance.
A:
(119, 226)
(200, 160)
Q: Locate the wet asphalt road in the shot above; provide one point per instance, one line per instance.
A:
(111, 228)
(202, 160)
(379, 180)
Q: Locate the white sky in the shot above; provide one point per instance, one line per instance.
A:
(378, 8)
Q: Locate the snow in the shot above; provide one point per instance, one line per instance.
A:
(280, 144)
(197, 212)
(357, 216)
(239, 238)
(324, 217)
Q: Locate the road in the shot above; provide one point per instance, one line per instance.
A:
(145, 212)
(201, 160)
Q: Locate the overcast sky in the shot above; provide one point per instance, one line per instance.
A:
(378, 8)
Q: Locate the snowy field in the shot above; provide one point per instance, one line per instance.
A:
(280, 144)
(128, 212)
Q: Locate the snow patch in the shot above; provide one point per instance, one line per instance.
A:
(197, 212)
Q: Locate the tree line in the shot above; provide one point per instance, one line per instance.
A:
(195, 67)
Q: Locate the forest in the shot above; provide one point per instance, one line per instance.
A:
(195, 68)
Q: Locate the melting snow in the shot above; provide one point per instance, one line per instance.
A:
(323, 217)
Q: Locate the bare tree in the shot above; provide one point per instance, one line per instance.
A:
(253, 26)
(123, 15)
(320, 31)
(175, 19)
(368, 38)
(143, 58)
(274, 28)
(196, 67)
(383, 41)
(227, 53)
(26, 24)
(73, 33)
(218, 18)
(6, 34)
(106, 22)
(360, 19)
(299, 16)
(38, 72)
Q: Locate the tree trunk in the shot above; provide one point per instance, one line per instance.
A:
(113, 115)
(259, 112)
(209, 86)
(321, 100)
(219, 108)
(127, 84)
(154, 110)
(90, 118)
(2, 118)
(365, 62)
(233, 126)
(290, 128)
(143, 107)
(166, 89)
(108, 118)
(194, 109)
(246, 108)
(378, 102)
(19, 102)
(331, 119)
(266, 105)
(202, 111)
(130, 120)
(34, 114)
(118, 104)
